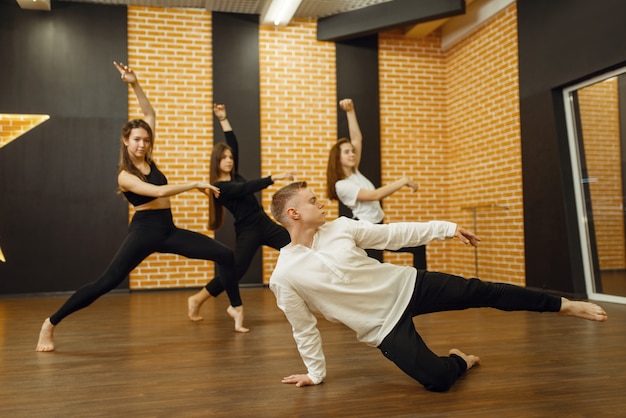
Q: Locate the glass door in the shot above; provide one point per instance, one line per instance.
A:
(595, 114)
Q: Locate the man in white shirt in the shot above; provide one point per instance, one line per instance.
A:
(326, 270)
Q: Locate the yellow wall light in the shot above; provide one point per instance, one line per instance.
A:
(13, 126)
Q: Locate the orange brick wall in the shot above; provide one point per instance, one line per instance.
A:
(298, 110)
(601, 133)
(453, 117)
(483, 153)
(449, 119)
(413, 131)
(170, 49)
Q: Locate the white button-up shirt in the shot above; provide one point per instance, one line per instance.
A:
(337, 279)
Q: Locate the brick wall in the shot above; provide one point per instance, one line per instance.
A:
(413, 138)
(449, 119)
(298, 110)
(483, 151)
(170, 49)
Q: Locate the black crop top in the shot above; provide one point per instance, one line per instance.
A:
(155, 177)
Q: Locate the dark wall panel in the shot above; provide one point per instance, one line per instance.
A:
(236, 83)
(61, 220)
(555, 51)
(357, 78)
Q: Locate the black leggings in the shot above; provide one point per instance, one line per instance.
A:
(437, 292)
(153, 231)
(263, 232)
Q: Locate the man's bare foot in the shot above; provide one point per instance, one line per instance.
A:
(194, 303)
(237, 315)
(46, 342)
(580, 309)
(470, 359)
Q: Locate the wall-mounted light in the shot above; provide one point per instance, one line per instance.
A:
(14, 125)
(2, 256)
(280, 12)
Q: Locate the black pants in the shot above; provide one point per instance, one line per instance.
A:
(153, 231)
(437, 292)
(249, 238)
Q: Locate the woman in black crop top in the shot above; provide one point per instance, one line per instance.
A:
(253, 227)
(152, 228)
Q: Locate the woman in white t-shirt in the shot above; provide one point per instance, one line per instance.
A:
(344, 181)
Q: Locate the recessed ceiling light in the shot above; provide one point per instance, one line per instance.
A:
(34, 4)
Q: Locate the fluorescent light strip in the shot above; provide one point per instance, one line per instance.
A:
(280, 12)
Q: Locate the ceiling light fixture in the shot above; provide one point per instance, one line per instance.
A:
(280, 12)
(35, 4)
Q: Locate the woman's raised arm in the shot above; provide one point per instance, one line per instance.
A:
(129, 77)
(356, 138)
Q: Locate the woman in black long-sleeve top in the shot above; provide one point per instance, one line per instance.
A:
(152, 228)
(253, 227)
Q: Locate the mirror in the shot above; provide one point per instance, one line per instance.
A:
(594, 114)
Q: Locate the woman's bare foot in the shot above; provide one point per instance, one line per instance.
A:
(580, 309)
(470, 359)
(237, 315)
(195, 302)
(46, 342)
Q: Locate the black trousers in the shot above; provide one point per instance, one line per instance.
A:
(153, 231)
(249, 238)
(437, 292)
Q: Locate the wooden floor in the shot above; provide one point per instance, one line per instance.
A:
(137, 355)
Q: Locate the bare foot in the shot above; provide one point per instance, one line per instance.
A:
(470, 359)
(580, 309)
(194, 303)
(46, 342)
(237, 315)
(193, 309)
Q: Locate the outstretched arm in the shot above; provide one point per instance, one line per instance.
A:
(131, 183)
(384, 191)
(220, 113)
(305, 333)
(287, 175)
(466, 237)
(129, 77)
(356, 138)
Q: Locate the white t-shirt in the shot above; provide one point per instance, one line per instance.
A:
(337, 279)
(347, 191)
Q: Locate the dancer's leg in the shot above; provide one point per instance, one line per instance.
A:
(135, 248)
(194, 245)
(247, 243)
(406, 348)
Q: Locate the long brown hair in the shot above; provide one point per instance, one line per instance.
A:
(334, 169)
(125, 162)
(216, 210)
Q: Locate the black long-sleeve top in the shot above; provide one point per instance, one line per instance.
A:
(237, 195)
